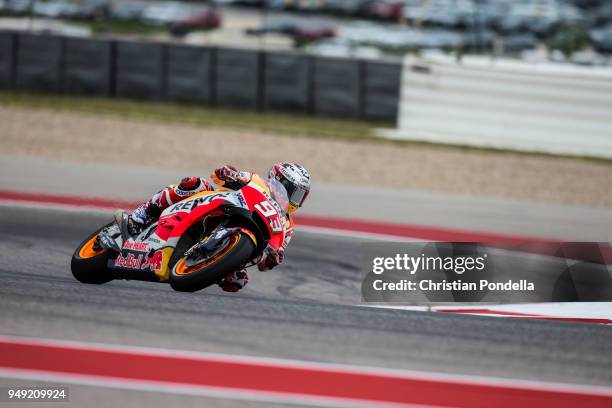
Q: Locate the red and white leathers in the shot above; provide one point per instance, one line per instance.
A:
(171, 194)
(226, 177)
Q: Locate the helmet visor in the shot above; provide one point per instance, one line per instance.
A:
(297, 195)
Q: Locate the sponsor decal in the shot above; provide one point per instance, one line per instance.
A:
(182, 193)
(154, 262)
(277, 206)
(189, 205)
(241, 201)
(130, 261)
(136, 246)
(140, 261)
(286, 239)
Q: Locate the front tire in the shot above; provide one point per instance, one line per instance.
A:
(190, 279)
(88, 264)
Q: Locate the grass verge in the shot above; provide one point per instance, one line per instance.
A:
(197, 115)
(119, 27)
(204, 116)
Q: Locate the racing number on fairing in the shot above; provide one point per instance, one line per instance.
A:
(267, 210)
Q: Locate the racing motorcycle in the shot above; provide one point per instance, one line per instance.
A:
(194, 243)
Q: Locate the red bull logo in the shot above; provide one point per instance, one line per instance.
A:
(129, 261)
(132, 261)
(154, 262)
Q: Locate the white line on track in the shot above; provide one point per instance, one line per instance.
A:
(299, 364)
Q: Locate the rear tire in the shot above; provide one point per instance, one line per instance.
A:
(185, 279)
(89, 265)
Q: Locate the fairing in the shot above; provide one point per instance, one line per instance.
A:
(150, 252)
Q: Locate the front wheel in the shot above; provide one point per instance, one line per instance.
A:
(233, 255)
(89, 263)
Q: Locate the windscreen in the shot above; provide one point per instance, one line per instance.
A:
(278, 193)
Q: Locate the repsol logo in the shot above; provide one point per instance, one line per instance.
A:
(189, 205)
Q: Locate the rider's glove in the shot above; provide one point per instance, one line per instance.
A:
(234, 281)
(194, 184)
(227, 174)
(271, 259)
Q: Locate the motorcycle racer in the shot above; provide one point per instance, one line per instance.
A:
(293, 177)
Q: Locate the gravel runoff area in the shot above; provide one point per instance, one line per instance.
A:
(89, 137)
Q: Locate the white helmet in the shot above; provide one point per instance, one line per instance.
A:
(296, 182)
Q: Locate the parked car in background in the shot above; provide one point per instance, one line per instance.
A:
(383, 10)
(55, 9)
(18, 7)
(205, 19)
(602, 38)
(313, 31)
(93, 9)
(397, 39)
(128, 10)
(538, 17)
(518, 42)
(165, 12)
(440, 13)
(296, 5)
(600, 16)
(343, 7)
(301, 31)
(248, 3)
(481, 26)
(344, 49)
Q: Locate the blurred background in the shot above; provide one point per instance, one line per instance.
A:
(576, 31)
(499, 117)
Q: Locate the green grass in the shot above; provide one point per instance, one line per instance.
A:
(119, 27)
(282, 124)
(198, 115)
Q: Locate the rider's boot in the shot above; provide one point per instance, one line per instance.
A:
(234, 281)
(133, 224)
(128, 224)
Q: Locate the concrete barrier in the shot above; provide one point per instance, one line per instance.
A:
(237, 78)
(39, 63)
(139, 70)
(189, 74)
(381, 93)
(337, 87)
(7, 51)
(507, 105)
(87, 66)
(224, 77)
(287, 82)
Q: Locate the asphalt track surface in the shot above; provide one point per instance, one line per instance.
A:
(305, 310)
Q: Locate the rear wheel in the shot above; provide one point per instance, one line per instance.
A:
(233, 255)
(89, 263)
